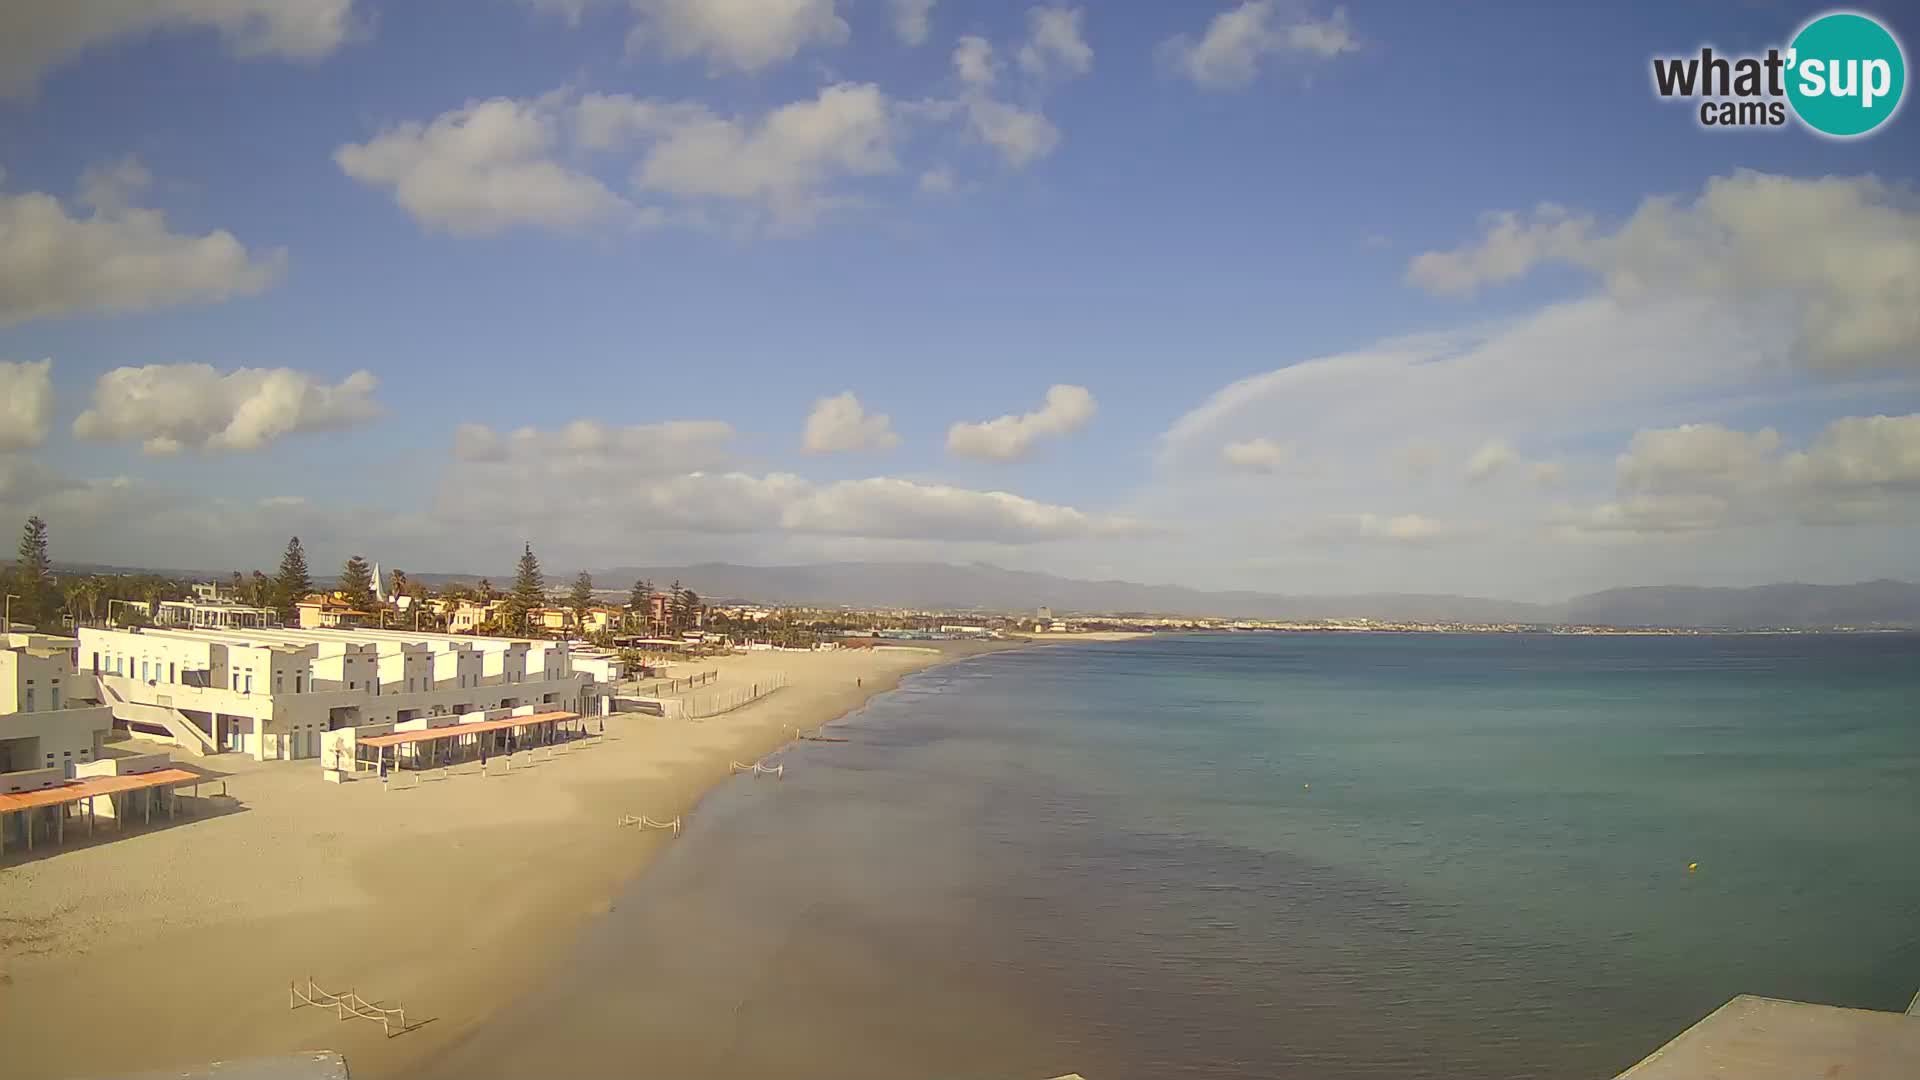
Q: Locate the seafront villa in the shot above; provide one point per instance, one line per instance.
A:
(273, 692)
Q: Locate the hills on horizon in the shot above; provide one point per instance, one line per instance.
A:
(983, 587)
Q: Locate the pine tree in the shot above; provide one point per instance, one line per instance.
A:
(673, 608)
(638, 602)
(356, 584)
(292, 584)
(581, 598)
(529, 592)
(33, 575)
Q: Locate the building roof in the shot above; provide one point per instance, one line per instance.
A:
(75, 790)
(452, 731)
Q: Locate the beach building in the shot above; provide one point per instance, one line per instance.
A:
(214, 614)
(273, 692)
(326, 612)
(50, 719)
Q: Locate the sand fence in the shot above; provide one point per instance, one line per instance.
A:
(758, 769)
(350, 1006)
(643, 823)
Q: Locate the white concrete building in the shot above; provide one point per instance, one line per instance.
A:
(50, 720)
(271, 693)
(214, 614)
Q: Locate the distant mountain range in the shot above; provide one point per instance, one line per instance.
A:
(989, 588)
(978, 586)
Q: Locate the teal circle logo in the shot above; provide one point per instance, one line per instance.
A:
(1845, 74)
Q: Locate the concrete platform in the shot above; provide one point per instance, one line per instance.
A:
(1757, 1038)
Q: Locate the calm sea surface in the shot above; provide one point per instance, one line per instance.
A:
(1323, 856)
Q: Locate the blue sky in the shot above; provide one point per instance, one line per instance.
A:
(790, 200)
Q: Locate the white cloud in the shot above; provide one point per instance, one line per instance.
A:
(117, 258)
(901, 509)
(973, 60)
(912, 20)
(1704, 477)
(1020, 135)
(1696, 457)
(26, 403)
(174, 406)
(1840, 255)
(1256, 455)
(1492, 456)
(649, 449)
(481, 168)
(1011, 438)
(1511, 247)
(1549, 473)
(788, 161)
(1236, 42)
(938, 180)
(36, 37)
(1386, 528)
(1054, 45)
(744, 35)
(840, 424)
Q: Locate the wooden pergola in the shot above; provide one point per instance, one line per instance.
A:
(161, 786)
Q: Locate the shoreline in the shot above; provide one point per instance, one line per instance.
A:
(449, 899)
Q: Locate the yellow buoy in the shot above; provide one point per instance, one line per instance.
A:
(1692, 866)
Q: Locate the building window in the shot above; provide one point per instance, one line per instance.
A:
(56, 697)
(353, 686)
(29, 707)
(296, 683)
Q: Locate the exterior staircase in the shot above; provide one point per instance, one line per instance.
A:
(174, 722)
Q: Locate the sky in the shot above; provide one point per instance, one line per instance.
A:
(1270, 295)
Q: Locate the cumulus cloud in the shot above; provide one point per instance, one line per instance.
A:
(1256, 455)
(118, 258)
(1229, 54)
(973, 60)
(742, 35)
(171, 407)
(841, 424)
(912, 20)
(786, 161)
(1011, 438)
(1702, 477)
(484, 167)
(26, 403)
(1841, 255)
(1054, 45)
(37, 37)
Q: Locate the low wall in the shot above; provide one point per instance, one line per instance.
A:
(130, 765)
(32, 779)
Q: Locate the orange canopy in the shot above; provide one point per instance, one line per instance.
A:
(75, 790)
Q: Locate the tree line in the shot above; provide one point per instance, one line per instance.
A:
(37, 597)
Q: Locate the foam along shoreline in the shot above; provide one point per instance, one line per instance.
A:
(447, 899)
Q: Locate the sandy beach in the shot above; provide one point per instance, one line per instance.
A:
(175, 946)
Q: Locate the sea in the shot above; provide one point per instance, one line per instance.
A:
(1274, 855)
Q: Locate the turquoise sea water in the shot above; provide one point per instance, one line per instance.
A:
(1300, 855)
